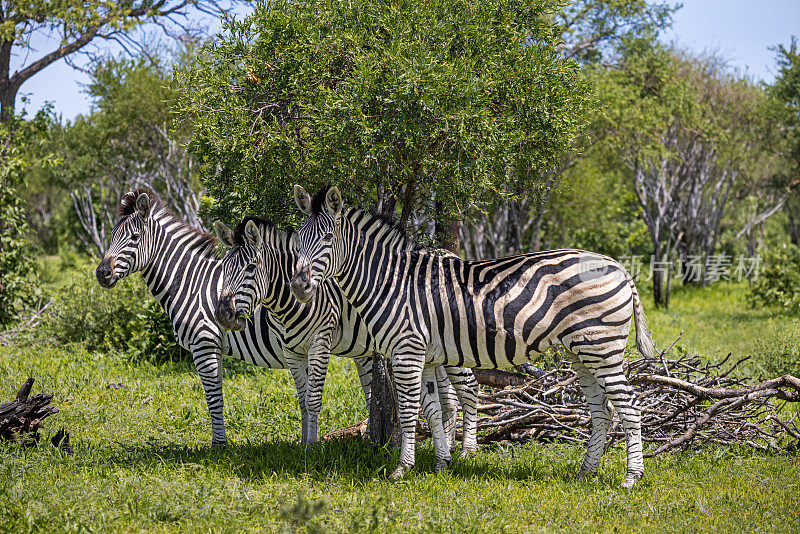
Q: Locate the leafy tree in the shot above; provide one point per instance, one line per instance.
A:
(416, 107)
(16, 262)
(128, 141)
(592, 31)
(412, 106)
(75, 24)
(784, 128)
(683, 128)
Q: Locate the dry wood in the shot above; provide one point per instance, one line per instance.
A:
(21, 418)
(684, 402)
(498, 378)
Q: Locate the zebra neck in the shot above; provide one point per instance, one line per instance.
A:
(279, 299)
(369, 270)
(179, 263)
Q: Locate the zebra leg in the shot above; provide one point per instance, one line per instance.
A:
(208, 362)
(448, 400)
(364, 367)
(433, 413)
(610, 376)
(318, 357)
(467, 390)
(407, 371)
(601, 416)
(299, 372)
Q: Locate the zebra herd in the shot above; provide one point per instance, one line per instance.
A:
(349, 283)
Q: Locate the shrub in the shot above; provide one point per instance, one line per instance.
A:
(16, 265)
(153, 338)
(779, 352)
(126, 319)
(778, 282)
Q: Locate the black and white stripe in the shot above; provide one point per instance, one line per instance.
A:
(257, 270)
(180, 267)
(421, 308)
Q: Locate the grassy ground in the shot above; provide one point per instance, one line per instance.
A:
(142, 460)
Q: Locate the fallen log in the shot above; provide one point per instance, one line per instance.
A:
(499, 379)
(21, 418)
(356, 431)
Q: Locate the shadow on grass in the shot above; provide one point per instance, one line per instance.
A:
(350, 460)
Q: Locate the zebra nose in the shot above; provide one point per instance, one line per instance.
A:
(225, 314)
(105, 272)
(301, 284)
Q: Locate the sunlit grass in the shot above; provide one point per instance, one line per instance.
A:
(715, 320)
(142, 459)
(142, 462)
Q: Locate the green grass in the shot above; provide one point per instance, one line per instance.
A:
(142, 459)
(715, 320)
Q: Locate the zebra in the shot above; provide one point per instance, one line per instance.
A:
(257, 270)
(180, 266)
(490, 313)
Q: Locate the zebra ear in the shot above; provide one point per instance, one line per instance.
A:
(302, 199)
(334, 201)
(223, 233)
(143, 206)
(252, 234)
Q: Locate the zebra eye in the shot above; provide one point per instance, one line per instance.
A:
(250, 268)
(134, 236)
(328, 236)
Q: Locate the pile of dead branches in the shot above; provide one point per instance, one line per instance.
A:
(683, 402)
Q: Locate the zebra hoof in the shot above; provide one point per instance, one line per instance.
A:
(631, 479)
(219, 444)
(583, 474)
(441, 465)
(467, 453)
(400, 472)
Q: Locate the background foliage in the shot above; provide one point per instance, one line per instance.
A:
(429, 106)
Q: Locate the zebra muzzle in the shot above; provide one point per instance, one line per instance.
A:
(301, 284)
(226, 314)
(105, 272)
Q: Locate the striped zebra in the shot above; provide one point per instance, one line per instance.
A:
(257, 270)
(493, 313)
(180, 266)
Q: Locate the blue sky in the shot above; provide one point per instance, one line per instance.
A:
(741, 30)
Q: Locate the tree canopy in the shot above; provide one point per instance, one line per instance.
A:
(429, 106)
(77, 23)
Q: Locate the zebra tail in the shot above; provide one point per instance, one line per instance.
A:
(644, 339)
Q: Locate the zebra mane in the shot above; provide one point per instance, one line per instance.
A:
(387, 230)
(206, 243)
(265, 225)
(318, 200)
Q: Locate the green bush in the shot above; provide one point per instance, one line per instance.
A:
(16, 265)
(778, 282)
(153, 338)
(779, 353)
(125, 319)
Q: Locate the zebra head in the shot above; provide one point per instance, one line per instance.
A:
(318, 240)
(127, 251)
(244, 278)
(258, 254)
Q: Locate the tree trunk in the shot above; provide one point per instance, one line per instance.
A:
(660, 279)
(8, 94)
(793, 220)
(449, 234)
(383, 426)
